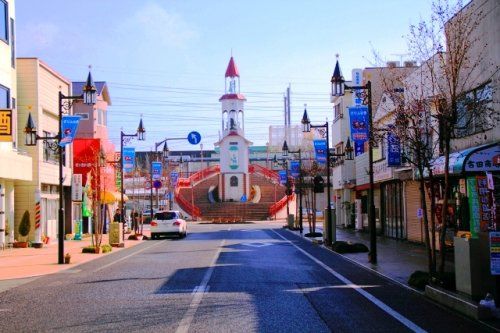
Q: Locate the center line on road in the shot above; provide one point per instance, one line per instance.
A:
(198, 294)
(387, 309)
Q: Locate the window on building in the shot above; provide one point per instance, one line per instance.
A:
(337, 112)
(12, 44)
(99, 117)
(83, 116)
(473, 111)
(4, 23)
(49, 155)
(233, 181)
(4, 97)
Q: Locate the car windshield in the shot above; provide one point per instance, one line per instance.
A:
(166, 215)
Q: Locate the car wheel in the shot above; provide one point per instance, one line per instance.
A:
(153, 236)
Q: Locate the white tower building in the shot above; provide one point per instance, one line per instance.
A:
(234, 180)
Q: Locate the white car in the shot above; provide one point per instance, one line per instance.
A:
(168, 222)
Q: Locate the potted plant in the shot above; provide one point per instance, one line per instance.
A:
(24, 230)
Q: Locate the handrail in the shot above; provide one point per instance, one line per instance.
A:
(189, 208)
(277, 206)
(255, 168)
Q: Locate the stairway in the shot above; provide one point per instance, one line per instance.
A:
(232, 211)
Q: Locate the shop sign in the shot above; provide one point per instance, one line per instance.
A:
(393, 150)
(484, 160)
(495, 253)
(484, 203)
(473, 206)
(320, 151)
(5, 125)
(76, 187)
(381, 171)
(357, 80)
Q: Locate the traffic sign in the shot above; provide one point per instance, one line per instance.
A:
(194, 137)
(147, 184)
(157, 184)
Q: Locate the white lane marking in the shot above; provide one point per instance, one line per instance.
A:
(257, 244)
(198, 292)
(128, 256)
(384, 307)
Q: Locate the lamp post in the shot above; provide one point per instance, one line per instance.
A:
(89, 97)
(141, 135)
(285, 152)
(338, 89)
(164, 155)
(306, 127)
(284, 165)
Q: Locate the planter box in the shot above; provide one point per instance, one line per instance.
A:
(20, 245)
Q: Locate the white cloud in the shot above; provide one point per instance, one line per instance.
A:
(158, 25)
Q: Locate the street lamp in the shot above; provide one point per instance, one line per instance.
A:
(285, 152)
(306, 127)
(89, 97)
(284, 165)
(338, 89)
(141, 136)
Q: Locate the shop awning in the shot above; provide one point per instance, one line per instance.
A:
(109, 197)
(485, 158)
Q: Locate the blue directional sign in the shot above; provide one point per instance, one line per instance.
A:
(194, 137)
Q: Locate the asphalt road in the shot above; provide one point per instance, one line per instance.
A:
(223, 278)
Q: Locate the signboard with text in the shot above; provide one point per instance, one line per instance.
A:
(76, 187)
(156, 169)
(320, 151)
(69, 126)
(495, 253)
(359, 127)
(128, 159)
(5, 125)
(393, 150)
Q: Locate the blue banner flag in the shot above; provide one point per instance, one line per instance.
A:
(69, 126)
(359, 127)
(295, 169)
(128, 159)
(320, 151)
(282, 174)
(156, 169)
(393, 150)
(174, 175)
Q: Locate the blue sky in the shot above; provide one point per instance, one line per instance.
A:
(166, 59)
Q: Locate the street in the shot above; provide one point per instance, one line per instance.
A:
(223, 278)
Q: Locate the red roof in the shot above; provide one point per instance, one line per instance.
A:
(233, 96)
(232, 70)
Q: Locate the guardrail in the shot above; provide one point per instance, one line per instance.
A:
(277, 206)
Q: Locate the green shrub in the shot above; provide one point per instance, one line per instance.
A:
(88, 249)
(348, 247)
(25, 225)
(106, 248)
(418, 280)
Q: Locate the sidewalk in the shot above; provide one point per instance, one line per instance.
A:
(31, 262)
(396, 259)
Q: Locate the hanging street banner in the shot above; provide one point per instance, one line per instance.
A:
(69, 126)
(174, 176)
(320, 151)
(156, 169)
(282, 174)
(5, 125)
(393, 150)
(295, 169)
(128, 159)
(359, 127)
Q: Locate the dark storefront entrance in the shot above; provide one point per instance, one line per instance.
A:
(392, 210)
